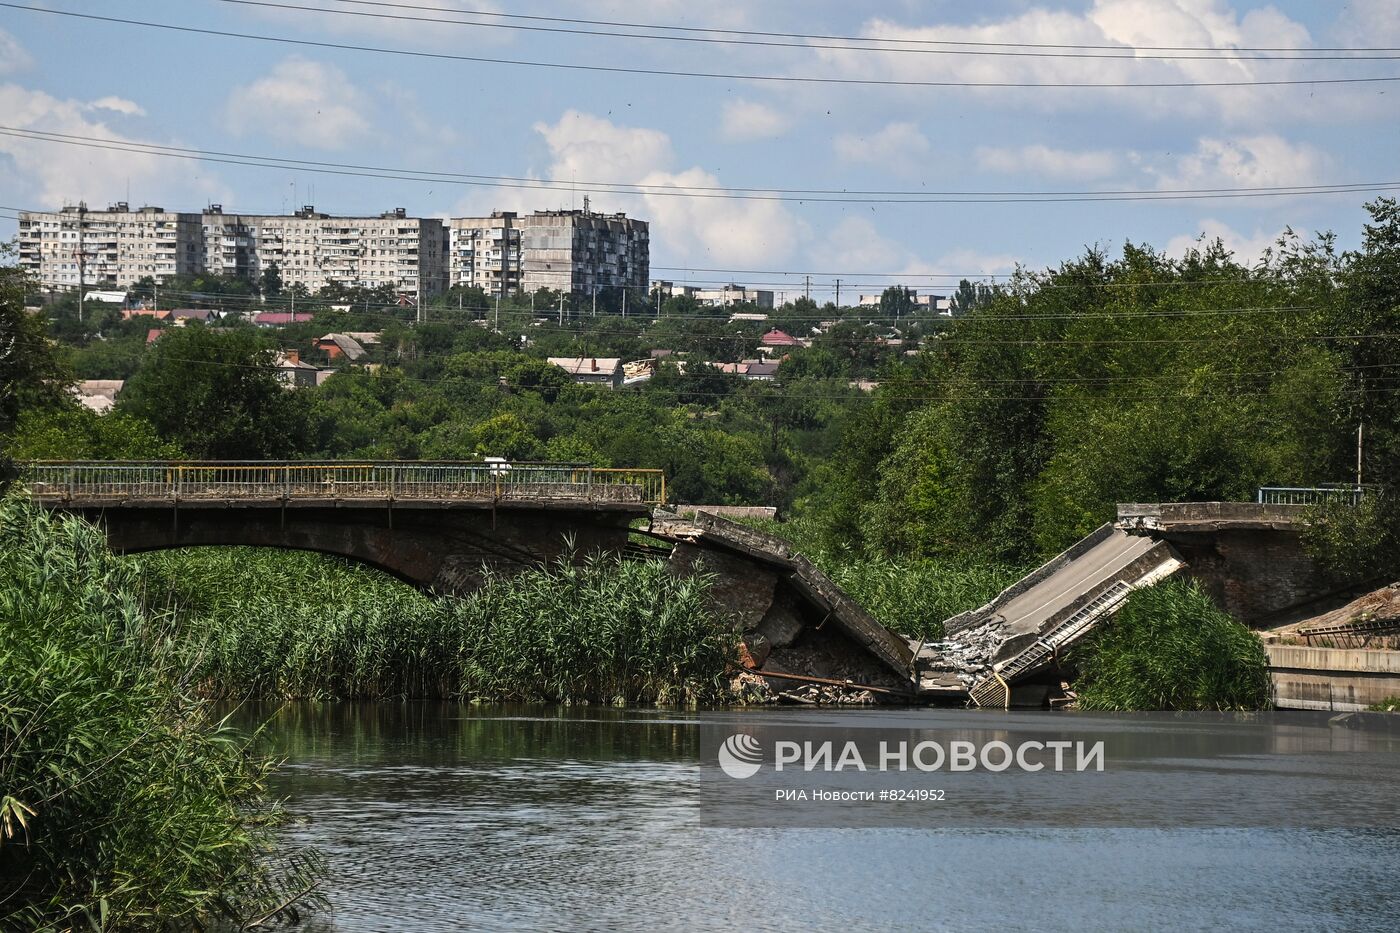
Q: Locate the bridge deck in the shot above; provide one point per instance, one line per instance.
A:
(162, 484)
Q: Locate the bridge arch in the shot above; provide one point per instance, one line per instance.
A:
(434, 525)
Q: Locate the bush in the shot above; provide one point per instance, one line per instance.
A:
(123, 804)
(1171, 648)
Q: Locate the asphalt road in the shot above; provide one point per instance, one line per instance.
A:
(1030, 610)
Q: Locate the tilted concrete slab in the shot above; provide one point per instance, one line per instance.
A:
(1046, 611)
(771, 554)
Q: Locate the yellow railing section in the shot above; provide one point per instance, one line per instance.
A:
(79, 480)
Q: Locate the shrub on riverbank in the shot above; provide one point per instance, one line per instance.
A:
(123, 805)
(1171, 648)
(280, 625)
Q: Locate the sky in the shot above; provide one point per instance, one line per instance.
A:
(436, 112)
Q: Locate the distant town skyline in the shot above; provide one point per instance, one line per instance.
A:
(671, 139)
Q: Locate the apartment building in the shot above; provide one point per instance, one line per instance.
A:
(110, 248)
(118, 247)
(485, 252)
(408, 254)
(581, 252)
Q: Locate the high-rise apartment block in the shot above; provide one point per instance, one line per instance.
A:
(485, 252)
(117, 247)
(573, 251)
(579, 252)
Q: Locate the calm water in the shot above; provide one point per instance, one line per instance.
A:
(444, 817)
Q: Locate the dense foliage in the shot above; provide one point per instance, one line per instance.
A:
(1141, 378)
(123, 803)
(602, 631)
(1171, 648)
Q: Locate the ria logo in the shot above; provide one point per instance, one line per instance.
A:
(740, 756)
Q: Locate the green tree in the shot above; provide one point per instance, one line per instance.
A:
(72, 432)
(216, 395)
(31, 375)
(272, 281)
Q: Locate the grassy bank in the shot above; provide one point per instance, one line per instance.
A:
(1171, 648)
(123, 803)
(280, 625)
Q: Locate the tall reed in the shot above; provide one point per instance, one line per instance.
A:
(278, 625)
(123, 803)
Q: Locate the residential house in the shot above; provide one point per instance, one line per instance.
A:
(292, 372)
(98, 395)
(341, 346)
(281, 318)
(591, 370)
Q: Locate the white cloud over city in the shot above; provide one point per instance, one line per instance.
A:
(303, 102)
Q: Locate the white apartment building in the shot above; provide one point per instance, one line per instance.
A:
(485, 252)
(115, 247)
(118, 247)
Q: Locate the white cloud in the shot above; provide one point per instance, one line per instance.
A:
(1368, 23)
(585, 147)
(745, 120)
(719, 231)
(52, 174)
(305, 102)
(897, 147)
(13, 57)
(118, 105)
(1124, 24)
(1049, 162)
(1245, 162)
(1248, 248)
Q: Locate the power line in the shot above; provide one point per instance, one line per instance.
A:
(838, 38)
(1122, 53)
(724, 76)
(690, 191)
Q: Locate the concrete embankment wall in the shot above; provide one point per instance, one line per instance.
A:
(1342, 679)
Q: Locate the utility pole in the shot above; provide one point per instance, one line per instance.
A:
(595, 299)
(624, 302)
(838, 294)
(807, 287)
(496, 326)
(561, 309)
(1358, 457)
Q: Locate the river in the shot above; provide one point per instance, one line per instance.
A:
(444, 817)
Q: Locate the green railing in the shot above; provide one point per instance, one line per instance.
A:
(98, 481)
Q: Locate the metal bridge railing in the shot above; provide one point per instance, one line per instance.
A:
(1303, 495)
(389, 480)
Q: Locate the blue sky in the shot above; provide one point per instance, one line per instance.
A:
(123, 82)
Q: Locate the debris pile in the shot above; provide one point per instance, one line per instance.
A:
(965, 657)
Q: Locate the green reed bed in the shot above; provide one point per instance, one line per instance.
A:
(277, 625)
(123, 803)
(1171, 648)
